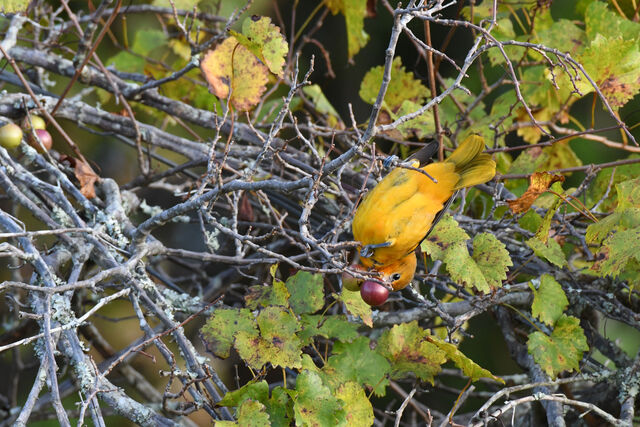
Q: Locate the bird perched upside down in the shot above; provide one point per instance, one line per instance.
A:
(401, 210)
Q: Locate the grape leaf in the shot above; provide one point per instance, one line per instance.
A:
(564, 35)
(314, 404)
(445, 234)
(258, 391)
(492, 258)
(354, 12)
(144, 42)
(418, 127)
(549, 250)
(600, 20)
(277, 342)
(232, 68)
(530, 221)
(549, 300)
(562, 350)
(358, 407)
(561, 155)
(13, 6)
(616, 251)
(336, 326)
(468, 366)
(222, 327)
(463, 269)
(264, 296)
(356, 306)
(614, 65)
(356, 361)
(265, 41)
(322, 105)
(403, 86)
(539, 182)
(306, 290)
(407, 348)
(251, 413)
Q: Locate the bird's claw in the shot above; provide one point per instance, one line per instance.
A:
(389, 161)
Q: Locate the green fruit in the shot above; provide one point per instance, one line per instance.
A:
(350, 283)
(37, 122)
(10, 135)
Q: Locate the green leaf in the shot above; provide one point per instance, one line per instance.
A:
(264, 39)
(306, 290)
(549, 300)
(277, 342)
(357, 362)
(419, 127)
(403, 86)
(13, 6)
(265, 296)
(530, 221)
(356, 306)
(617, 250)
(354, 12)
(445, 234)
(336, 326)
(562, 350)
(278, 406)
(258, 391)
(560, 155)
(470, 368)
(614, 64)
(463, 269)
(600, 20)
(551, 250)
(492, 258)
(322, 104)
(408, 349)
(223, 326)
(355, 402)
(314, 404)
(251, 413)
(565, 36)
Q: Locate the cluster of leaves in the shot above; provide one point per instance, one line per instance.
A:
(280, 327)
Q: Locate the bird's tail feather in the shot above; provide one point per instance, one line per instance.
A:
(473, 166)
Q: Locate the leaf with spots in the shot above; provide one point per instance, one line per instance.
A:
(265, 41)
(549, 300)
(222, 327)
(616, 251)
(356, 361)
(307, 292)
(463, 269)
(445, 234)
(276, 343)
(539, 182)
(408, 349)
(251, 413)
(315, 405)
(264, 296)
(492, 258)
(359, 412)
(469, 368)
(403, 86)
(231, 69)
(258, 391)
(562, 350)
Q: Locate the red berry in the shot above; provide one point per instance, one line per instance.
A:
(44, 137)
(373, 293)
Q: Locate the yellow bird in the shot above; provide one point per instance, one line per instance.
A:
(399, 212)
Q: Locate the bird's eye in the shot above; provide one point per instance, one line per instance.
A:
(396, 276)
